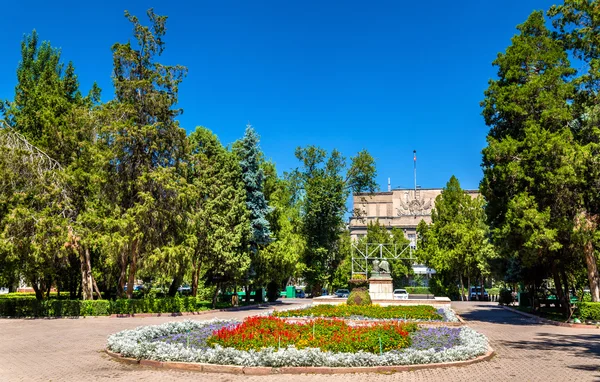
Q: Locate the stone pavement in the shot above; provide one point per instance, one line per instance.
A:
(71, 350)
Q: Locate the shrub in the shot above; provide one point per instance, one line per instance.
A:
(359, 296)
(506, 297)
(589, 310)
(418, 290)
(27, 307)
(414, 312)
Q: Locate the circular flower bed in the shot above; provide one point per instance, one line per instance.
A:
(268, 341)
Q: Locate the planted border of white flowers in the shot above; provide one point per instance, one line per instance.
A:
(137, 343)
(447, 313)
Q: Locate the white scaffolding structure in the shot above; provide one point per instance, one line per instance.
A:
(362, 254)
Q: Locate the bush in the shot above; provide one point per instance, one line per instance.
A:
(589, 310)
(417, 290)
(53, 308)
(359, 296)
(391, 312)
(27, 307)
(506, 297)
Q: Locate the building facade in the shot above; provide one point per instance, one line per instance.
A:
(400, 208)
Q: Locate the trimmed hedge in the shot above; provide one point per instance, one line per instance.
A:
(27, 307)
(589, 311)
(417, 290)
(359, 296)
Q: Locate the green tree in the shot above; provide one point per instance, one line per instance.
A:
(454, 242)
(324, 184)
(146, 149)
(577, 24)
(48, 128)
(279, 261)
(250, 157)
(533, 166)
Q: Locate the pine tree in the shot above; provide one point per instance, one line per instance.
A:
(146, 148)
(532, 163)
(253, 176)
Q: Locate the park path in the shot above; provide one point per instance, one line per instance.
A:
(71, 350)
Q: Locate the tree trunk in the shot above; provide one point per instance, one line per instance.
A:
(39, 295)
(481, 284)
(564, 301)
(469, 288)
(592, 271)
(132, 270)
(86, 273)
(587, 224)
(247, 296)
(214, 298)
(96, 288)
(195, 276)
(175, 284)
(462, 288)
(122, 275)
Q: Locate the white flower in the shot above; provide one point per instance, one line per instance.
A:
(137, 343)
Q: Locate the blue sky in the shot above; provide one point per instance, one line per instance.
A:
(386, 76)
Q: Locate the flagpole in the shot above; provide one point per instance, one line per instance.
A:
(415, 165)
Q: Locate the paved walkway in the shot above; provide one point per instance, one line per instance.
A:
(71, 350)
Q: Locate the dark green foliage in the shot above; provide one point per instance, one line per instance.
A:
(323, 186)
(417, 290)
(359, 296)
(26, 307)
(443, 284)
(589, 310)
(506, 297)
(455, 243)
(272, 291)
(20, 307)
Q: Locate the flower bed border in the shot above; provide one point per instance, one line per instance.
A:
(542, 320)
(266, 370)
(137, 344)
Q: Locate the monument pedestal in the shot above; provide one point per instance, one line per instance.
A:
(381, 288)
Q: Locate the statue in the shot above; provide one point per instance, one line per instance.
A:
(376, 266)
(380, 267)
(384, 266)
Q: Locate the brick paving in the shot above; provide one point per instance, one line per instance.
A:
(71, 350)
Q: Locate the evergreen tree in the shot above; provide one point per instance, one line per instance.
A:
(48, 128)
(533, 165)
(455, 241)
(324, 185)
(146, 149)
(253, 176)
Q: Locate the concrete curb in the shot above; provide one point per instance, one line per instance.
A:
(549, 322)
(262, 370)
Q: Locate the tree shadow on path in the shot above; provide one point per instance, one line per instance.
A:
(496, 315)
